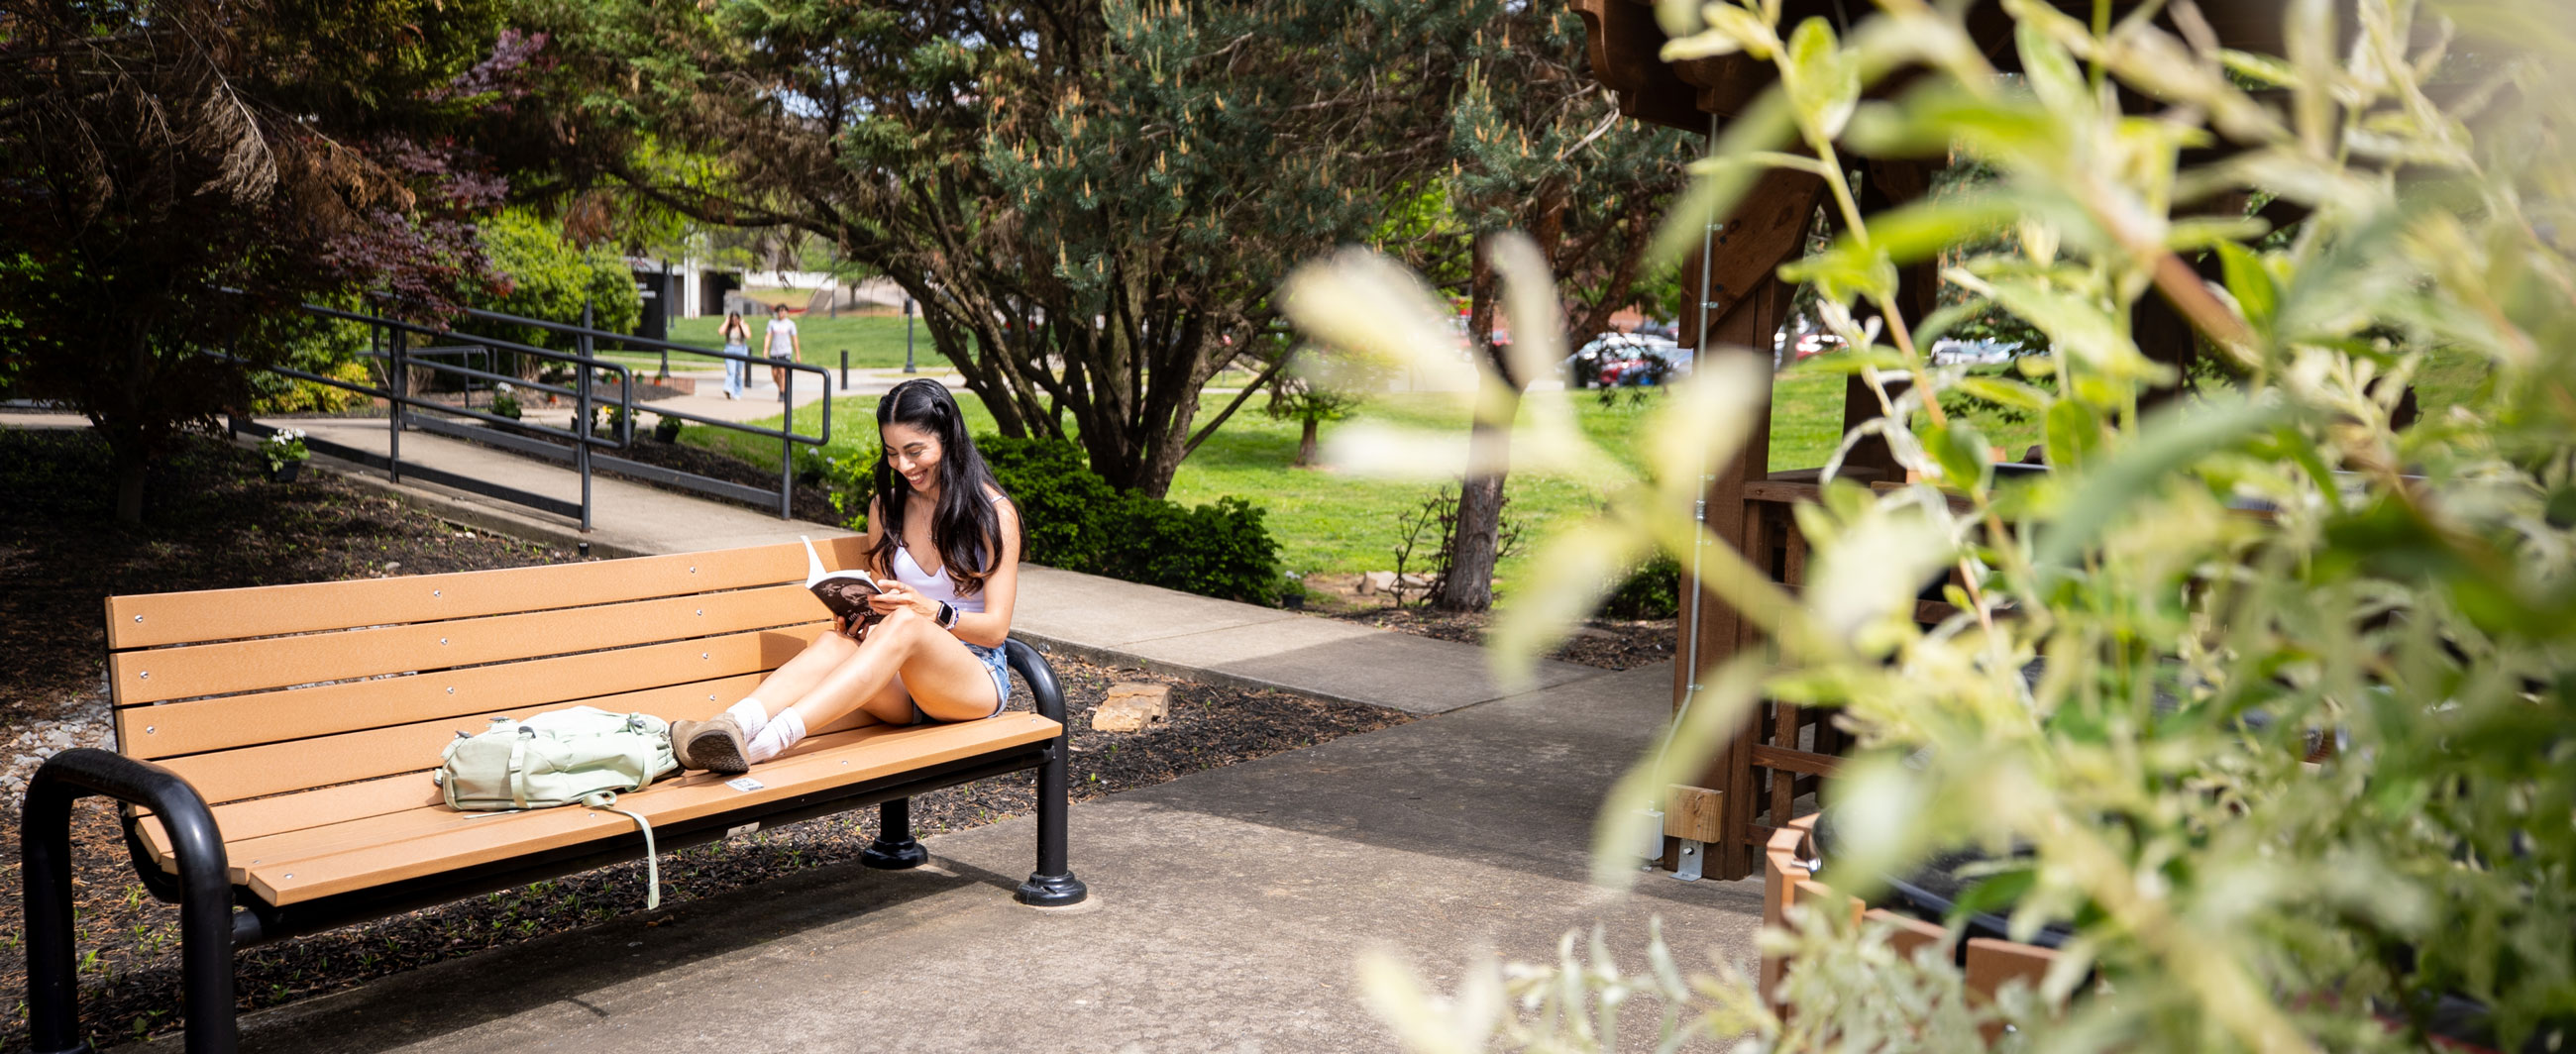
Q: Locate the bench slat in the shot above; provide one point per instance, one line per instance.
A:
(277, 662)
(175, 729)
(262, 611)
(275, 768)
(411, 788)
(840, 759)
(242, 821)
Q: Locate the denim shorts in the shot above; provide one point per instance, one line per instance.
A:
(995, 663)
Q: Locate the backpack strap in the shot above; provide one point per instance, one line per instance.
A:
(519, 767)
(652, 860)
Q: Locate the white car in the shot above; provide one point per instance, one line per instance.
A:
(1984, 351)
(1610, 356)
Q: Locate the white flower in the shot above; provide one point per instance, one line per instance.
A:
(506, 389)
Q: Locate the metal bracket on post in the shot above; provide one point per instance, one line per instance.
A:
(1694, 854)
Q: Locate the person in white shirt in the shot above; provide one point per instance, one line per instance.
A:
(784, 345)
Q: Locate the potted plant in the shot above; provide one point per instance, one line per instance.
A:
(666, 428)
(286, 454)
(505, 401)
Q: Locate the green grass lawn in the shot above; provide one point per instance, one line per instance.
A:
(1331, 523)
(873, 341)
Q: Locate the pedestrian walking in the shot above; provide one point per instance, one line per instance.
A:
(737, 341)
(784, 346)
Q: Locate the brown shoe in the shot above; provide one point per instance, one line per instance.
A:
(715, 745)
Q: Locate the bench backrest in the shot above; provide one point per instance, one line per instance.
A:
(260, 691)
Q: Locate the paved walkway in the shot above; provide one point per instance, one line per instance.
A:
(1229, 907)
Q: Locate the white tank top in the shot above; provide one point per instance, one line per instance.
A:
(937, 586)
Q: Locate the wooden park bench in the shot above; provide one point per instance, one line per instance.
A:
(274, 746)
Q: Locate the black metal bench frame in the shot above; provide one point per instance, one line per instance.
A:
(216, 917)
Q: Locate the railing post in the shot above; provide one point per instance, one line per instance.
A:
(581, 429)
(845, 371)
(400, 381)
(787, 449)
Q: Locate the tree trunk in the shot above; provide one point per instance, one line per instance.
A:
(1474, 541)
(129, 488)
(1306, 445)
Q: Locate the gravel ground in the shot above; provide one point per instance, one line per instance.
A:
(213, 521)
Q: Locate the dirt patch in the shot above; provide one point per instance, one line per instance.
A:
(214, 521)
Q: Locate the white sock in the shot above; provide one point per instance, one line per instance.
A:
(751, 714)
(784, 731)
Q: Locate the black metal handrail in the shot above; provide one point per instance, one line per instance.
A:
(579, 445)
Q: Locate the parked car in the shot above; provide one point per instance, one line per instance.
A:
(1611, 358)
(1983, 351)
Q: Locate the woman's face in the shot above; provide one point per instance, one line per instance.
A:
(913, 453)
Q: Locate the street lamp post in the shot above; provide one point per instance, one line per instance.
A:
(907, 336)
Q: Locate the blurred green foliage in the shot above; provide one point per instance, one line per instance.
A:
(2156, 636)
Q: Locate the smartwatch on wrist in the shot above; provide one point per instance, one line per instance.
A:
(947, 616)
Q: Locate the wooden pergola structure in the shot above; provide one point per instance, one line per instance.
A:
(1781, 754)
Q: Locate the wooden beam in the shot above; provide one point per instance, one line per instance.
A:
(1693, 813)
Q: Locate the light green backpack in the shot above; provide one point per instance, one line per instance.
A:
(580, 756)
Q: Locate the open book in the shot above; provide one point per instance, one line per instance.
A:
(845, 592)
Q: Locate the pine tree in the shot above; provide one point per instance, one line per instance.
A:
(1539, 145)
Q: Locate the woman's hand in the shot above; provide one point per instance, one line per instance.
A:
(898, 597)
(843, 627)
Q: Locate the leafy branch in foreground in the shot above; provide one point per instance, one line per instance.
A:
(2151, 638)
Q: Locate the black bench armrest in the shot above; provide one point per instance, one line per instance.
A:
(1033, 668)
(205, 901)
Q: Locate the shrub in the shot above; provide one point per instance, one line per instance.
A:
(1072, 519)
(1219, 550)
(277, 394)
(1060, 499)
(1653, 590)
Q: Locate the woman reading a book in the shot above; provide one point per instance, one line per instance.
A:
(943, 543)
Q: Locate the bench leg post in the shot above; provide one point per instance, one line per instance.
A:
(45, 862)
(894, 849)
(1053, 884)
(205, 901)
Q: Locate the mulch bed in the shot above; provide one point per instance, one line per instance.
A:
(214, 521)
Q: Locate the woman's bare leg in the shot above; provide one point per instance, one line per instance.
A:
(798, 676)
(939, 675)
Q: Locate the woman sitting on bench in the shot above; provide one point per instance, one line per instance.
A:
(946, 546)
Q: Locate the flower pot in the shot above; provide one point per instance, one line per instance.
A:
(287, 472)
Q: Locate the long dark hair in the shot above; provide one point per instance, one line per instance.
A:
(964, 527)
